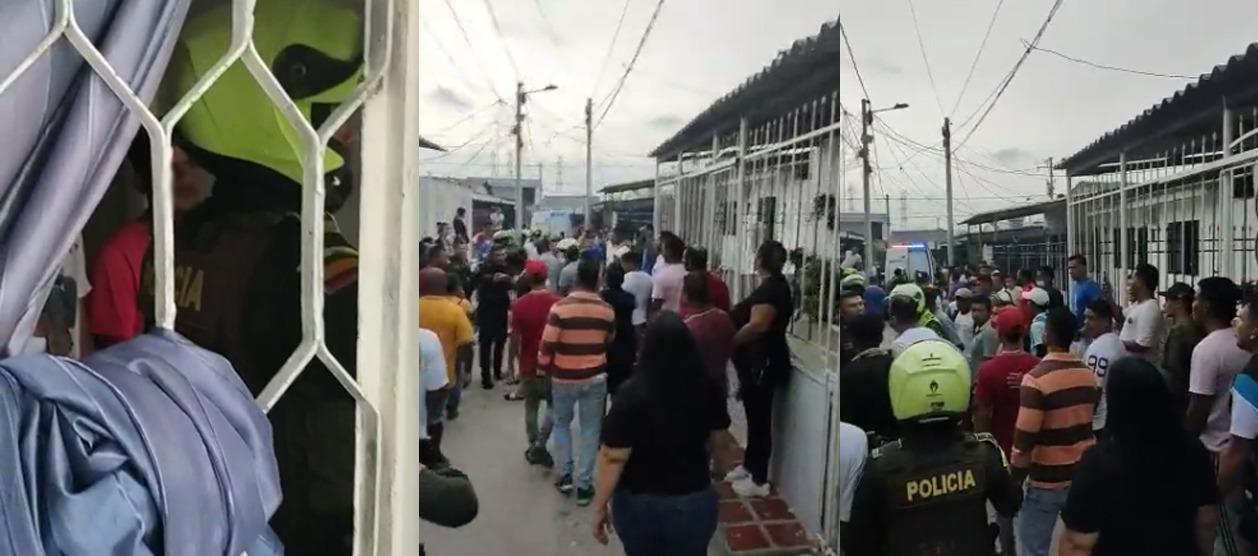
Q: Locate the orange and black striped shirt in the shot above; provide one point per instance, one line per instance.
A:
(1054, 424)
(574, 342)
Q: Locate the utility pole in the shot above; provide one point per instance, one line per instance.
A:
(589, 162)
(559, 174)
(541, 182)
(1051, 188)
(519, 148)
(887, 199)
(947, 145)
(867, 117)
(904, 209)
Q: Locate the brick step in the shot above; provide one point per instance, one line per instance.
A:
(759, 526)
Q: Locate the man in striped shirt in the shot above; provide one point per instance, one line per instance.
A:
(1054, 427)
(573, 352)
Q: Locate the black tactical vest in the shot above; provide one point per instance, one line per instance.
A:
(936, 500)
(216, 264)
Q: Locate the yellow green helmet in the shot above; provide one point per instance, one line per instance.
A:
(314, 49)
(930, 379)
(911, 291)
(852, 281)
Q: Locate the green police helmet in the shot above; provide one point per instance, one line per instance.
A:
(911, 291)
(929, 380)
(852, 282)
(314, 49)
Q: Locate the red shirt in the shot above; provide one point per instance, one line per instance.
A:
(999, 388)
(113, 308)
(713, 332)
(717, 291)
(529, 314)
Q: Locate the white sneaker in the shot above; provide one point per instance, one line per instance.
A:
(737, 474)
(748, 488)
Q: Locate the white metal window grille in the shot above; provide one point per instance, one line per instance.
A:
(774, 179)
(1188, 209)
(386, 430)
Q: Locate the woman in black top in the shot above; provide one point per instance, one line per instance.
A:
(763, 361)
(653, 465)
(1148, 488)
(621, 353)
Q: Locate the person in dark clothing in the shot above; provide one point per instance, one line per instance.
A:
(1148, 487)
(927, 493)
(1183, 336)
(763, 361)
(665, 424)
(460, 225)
(621, 354)
(863, 381)
(242, 247)
(493, 285)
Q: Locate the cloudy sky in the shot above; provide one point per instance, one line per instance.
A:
(697, 51)
(1053, 107)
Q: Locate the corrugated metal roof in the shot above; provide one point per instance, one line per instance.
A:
(1183, 113)
(1015, 212)
(809, 66)
(630, 186)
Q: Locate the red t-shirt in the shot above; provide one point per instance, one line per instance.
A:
(717, 290)
(113, 308)
(999, 387)
(529, 314)
(713, 332)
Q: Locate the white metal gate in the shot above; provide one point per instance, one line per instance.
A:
(386, 497)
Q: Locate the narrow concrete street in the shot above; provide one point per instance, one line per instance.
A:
(521, 514)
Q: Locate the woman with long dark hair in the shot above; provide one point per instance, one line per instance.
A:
(763, 361)
(1148, 488)
(653, 465)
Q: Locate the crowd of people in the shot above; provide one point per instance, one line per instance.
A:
(633, 319)
(1131, 420)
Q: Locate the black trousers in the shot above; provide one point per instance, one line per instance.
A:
(758, 404)
(492, 343)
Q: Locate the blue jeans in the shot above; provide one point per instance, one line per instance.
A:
(1038, 518)
(650, 525)
(591, 396)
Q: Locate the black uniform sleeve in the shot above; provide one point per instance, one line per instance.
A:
(1085, 505)
(866, 534)
(447, 498)
(1004, 494)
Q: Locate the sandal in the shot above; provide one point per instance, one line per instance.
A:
(514, 396)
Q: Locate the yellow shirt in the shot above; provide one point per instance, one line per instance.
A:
(451, 325)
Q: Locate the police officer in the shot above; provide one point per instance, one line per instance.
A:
(927, 493)
(237, 256)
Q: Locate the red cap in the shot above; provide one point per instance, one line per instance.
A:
(536, 268)
(1008, 320)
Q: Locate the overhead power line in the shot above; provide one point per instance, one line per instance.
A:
(921, 45)
(502, 39)
(851, 55)
(979, 54)
(1107, 67)
(611, 99)
(467, 39)
(610, 47)
(1004, 83)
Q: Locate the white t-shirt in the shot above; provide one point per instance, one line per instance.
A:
(432, 373)
(1144, 326)
(853, 449)
(910, 337)
(1100, 356)
(530, 251)
(640, 285)
(1215, 363)
(964, 325)
(667, 285)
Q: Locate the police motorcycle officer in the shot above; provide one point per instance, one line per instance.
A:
(926, 493)
(237, 255)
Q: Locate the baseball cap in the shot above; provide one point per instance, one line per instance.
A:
(1178, 291)
(964, 293)
(1003, 297)
(535, 267)
(1037, 296)
(1008, 320)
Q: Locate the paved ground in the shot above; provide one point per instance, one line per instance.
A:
(521, 514)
